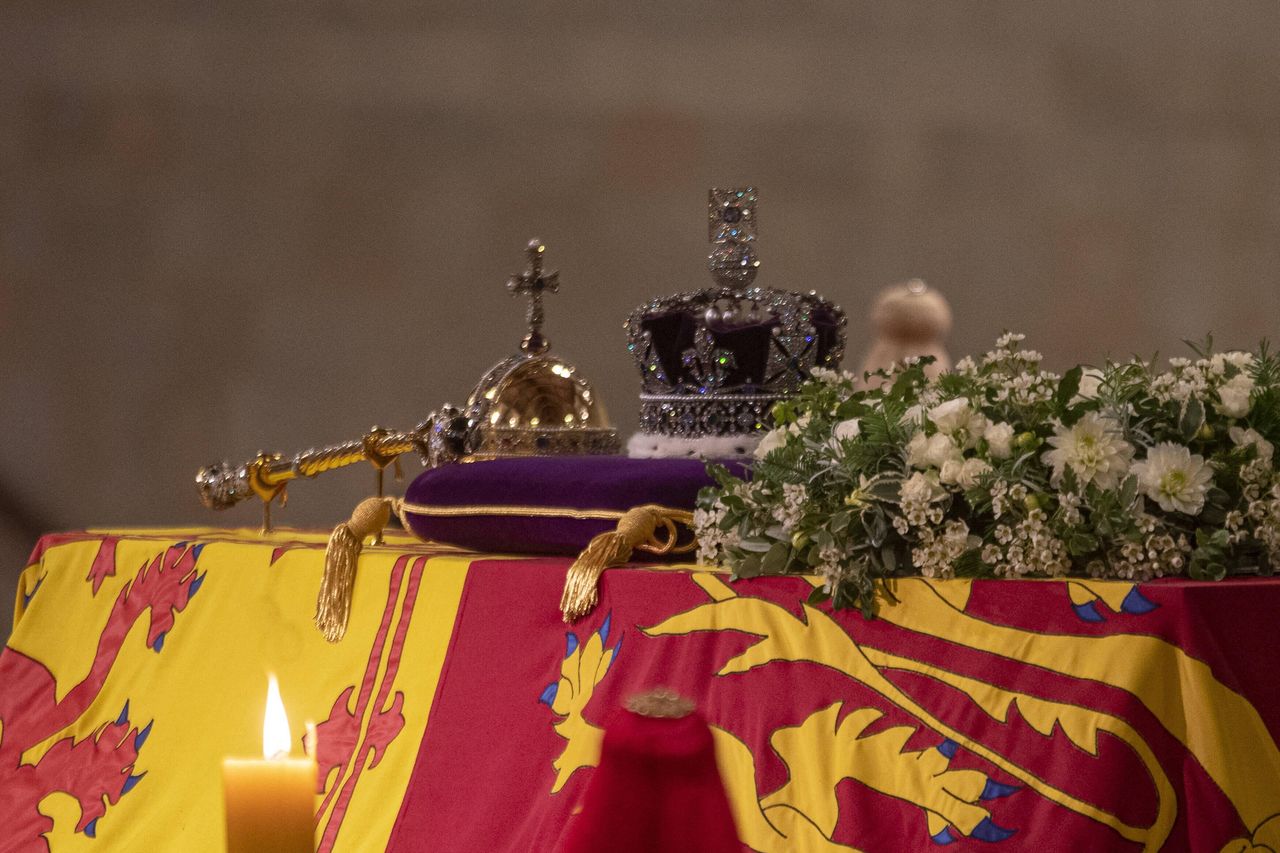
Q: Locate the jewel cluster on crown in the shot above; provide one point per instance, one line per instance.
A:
(714, 361)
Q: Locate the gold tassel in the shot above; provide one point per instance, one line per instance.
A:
(333, 605)
(636, 530)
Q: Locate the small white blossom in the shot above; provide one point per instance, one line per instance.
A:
(712, 541)
(1174, 477)
(1093, 448)
(1008, 339)
(827, 376)
(790, 512)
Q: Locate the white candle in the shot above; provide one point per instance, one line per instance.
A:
(270, 802)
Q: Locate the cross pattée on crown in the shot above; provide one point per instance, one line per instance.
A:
(732, 226)
(533, 282)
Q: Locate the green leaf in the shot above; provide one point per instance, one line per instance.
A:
(1212, 514)
(818, 596)
(840, 521)
(1128, 491)
(775, 562)
(1068, 387)
(888, 490)
(1192, 419)
(888, 559)
(970, 565)
(1081, 544)
(877, 526)
(749, 567)
(755, 545)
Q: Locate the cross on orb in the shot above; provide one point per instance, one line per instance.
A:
(533, 282)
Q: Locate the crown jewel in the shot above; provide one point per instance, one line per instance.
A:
(713, 362)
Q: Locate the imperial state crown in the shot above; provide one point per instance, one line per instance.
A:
(714, 361)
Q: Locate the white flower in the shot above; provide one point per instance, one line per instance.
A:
(827, 376)
(931, 451)
(791, 511)
(848, 429)
(951, 416)
(1219, 360)
(940, 449)
(921, 488)
(1233, 396)
(1092, 448)
(972, 471)
(770, 441)
(963, 473)
(1090, 381)
(1245, 437)
(1174, 477)
(916, 449)
(999, 440)
(1008, 339)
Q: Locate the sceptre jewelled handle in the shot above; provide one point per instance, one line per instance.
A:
(267, 476)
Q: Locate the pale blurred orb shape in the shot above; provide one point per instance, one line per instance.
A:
(908, 320)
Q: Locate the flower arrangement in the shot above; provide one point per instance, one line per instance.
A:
(999, 468)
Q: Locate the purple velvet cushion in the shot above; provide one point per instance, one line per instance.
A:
(488, 499)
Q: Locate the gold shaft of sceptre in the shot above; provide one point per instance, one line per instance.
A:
(268, 475)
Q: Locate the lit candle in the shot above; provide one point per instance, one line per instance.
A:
(271, 800)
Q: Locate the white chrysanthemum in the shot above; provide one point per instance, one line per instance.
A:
(1233, 396)
(1093, 449)
(999, 440)
(1174, 477)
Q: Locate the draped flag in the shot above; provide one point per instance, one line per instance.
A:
(461, 714)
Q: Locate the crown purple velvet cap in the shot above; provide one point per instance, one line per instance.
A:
(611, 483)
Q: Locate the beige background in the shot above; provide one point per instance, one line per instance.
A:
(233, 226)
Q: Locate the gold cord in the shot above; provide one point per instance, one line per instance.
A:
(637, 529)
(333, 604)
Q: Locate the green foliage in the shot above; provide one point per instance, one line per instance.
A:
(1000, 468)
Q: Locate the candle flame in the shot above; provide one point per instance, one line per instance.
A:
(275, 725)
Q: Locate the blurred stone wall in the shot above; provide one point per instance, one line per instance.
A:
(235, 226)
